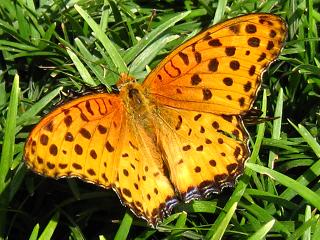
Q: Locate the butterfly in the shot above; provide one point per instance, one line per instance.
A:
(178, 136)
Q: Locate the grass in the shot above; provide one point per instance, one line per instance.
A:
(47, 46)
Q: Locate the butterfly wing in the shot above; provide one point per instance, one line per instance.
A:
(142, 182)
(94, 138)
(64, 143)
(201, 90)
(205, 152)
(219, 70)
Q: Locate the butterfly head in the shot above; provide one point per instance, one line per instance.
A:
(124, 80)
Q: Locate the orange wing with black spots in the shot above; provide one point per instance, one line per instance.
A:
(179, 135)
(219, 70)
(93, 139)
(201, 91)
(65, 142)
(206, 152)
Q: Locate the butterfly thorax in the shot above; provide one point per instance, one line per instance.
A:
(137, 105)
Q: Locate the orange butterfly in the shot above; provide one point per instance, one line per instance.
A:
(179, 136)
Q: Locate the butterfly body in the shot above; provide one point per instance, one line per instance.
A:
(179, 136)
(137, 106)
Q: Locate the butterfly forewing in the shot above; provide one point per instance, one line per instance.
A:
(77, 139)
(219, 70)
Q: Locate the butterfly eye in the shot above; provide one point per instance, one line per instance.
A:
(115, 89)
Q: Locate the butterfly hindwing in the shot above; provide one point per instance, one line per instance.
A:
(205, 152)
(141, 182)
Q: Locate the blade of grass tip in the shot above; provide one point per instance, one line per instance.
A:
(276, 130)
(242, 184)
(262, 232)
(74, 188)
(91, 62)
(8, 151)
(10, 9)
(298, 234)
(35, 232)
(101, 237)
(307, 216)
(258, 214)
(220, 230)
(316, 233)
(9, 135)
(47, 36)
(308, 138)
(149, 53)
(221, 8)
(50, 228)
(313, 171)
(104, 20)
(24, 27)
(76, 233)
(38, 106)
(102, 37)
(85, 75)
(73, 226)
(131, 54)
(163, 227)
(124, 228)
(303, 191)
(181, 222)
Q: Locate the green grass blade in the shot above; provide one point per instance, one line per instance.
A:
(38, 106)
(91, 61)
(262, 232)
(224, 223)
(308, 138)
(35, 232)
(8, 150)
(303, 191)
(242, 184)
(108, 45)
(123, 231)
(9, 136)
(132, 53)
(313, 171)
(85, 75)
(149, 53)
(308, 216)
(276, 130)
(50, 228)
(221, 8)
(304, 228)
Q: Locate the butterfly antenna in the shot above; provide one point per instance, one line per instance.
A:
(153, 15)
